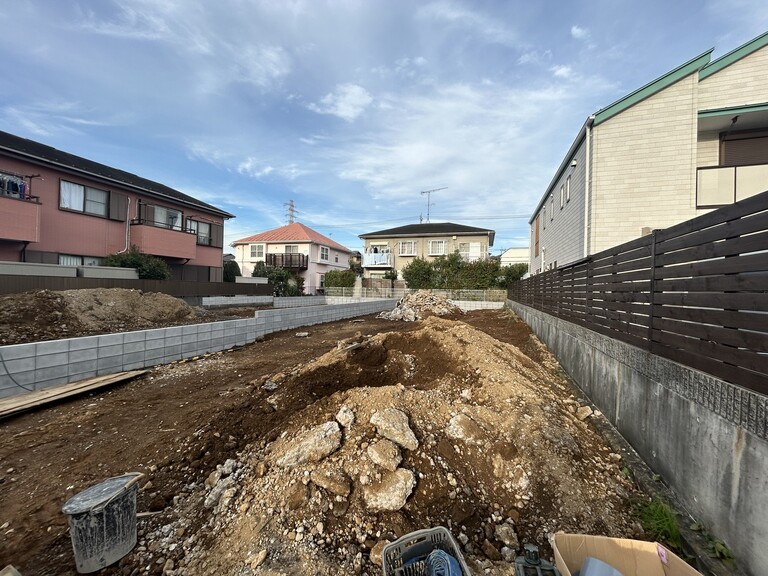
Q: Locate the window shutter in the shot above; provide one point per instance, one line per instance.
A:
(744, 151)
(118, 206)
(217, 235)
(147, 214)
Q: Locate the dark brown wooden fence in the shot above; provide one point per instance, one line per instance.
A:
(696, 293)
(13, 284)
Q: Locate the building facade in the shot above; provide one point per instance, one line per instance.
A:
(514, 256)
(692, 140)
(296, 248)
(393, 249)
(58, 208)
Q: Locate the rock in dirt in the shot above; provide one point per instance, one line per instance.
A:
(332, 480)
(462, 427)
(393, 425)
(312, 446)
(345, 416)
(391, 492)
(385, 453)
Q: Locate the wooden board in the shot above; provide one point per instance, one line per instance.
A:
(23, 402)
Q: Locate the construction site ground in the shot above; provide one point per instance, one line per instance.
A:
(238, 481)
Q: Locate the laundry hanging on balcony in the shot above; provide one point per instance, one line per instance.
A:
(12, 186)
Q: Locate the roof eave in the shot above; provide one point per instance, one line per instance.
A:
(653, 87)
(73, 169)
(734, 56)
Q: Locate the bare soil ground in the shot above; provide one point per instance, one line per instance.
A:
(506, 453)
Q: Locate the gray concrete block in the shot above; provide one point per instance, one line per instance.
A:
(110, 340)
(81, 368)
(18, 351)
(48, 360)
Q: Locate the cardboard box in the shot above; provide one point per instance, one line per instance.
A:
(630, 557)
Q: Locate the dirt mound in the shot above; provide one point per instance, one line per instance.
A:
(47, 315)
(420, 305)
(443, 425)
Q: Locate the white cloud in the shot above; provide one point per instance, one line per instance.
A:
(579, 33)
(347, 101)
(488, 28)
(252, 167)
(562, 71)
(535, 57)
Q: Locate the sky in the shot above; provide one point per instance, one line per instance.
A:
(350, 108)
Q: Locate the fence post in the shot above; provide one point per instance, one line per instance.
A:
(652, 289)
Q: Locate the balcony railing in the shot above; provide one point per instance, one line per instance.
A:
(19, 218)
(290, 261)
(377, 260)
(723, 185)
(151, 238)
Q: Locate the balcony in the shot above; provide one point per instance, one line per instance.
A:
(290, 261)
(377, 260)
(19, 219)
(158, 241)
(722, 185)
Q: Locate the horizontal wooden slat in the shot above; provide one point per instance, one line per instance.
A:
(730, 318)
(744, 358)
(747, 225)
(737, 283)
(732, 247)
(727, 301)
(740, 265)
(756, 341)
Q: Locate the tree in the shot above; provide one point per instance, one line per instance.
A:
(284, 283)
(511, 273)
(447, 272)
(149, 267)
(231, 270)
(418, 274)
(479, 275)
(340, 279)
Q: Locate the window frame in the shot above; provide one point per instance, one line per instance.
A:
(552, 209)
(291, 249)
(194, 226)
(259, 248)
(443, 243)
(402, 244)
(324, 251)
(84, 199)
(562, 196)
(568, 189)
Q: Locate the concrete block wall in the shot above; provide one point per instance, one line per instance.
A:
(708, 439)
(237, 300)
(298, 301)
(477, 305)
(41, 365)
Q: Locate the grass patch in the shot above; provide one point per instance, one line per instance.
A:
(659, 521)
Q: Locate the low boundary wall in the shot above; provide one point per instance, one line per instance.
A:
(706, 438)
(40, 365)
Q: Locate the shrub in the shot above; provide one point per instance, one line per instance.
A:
(284, 283)
(149, 267)
(511, 273)
(340, 279)
(231, 271)
(418, 274)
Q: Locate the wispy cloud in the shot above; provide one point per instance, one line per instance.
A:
(347, 101)
(456, 14)
(562, 71)
(579, 33)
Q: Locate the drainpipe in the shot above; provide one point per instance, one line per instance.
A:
(587, 190)
(23, 254)
(127, 227)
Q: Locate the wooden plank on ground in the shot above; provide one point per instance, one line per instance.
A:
(23, 402)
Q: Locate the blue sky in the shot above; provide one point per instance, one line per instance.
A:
(349, 108)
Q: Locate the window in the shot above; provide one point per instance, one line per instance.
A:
(257, 251)
(322, 281)
(552, 210)
(83, 198)
(336, 257)
(323, 253)
(562, 196)
(70, 260)
(291, 249)
(544, 217)
(408, 248)
(437, 247)
(464, 250)
(568, 189)
(536, 238)
(167, 218)
(203, 231)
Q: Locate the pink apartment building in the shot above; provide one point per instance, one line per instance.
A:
(58, 208)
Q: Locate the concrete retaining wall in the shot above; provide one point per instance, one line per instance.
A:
(706, 438)
(236, 301)
(478, 305)
(40, 365)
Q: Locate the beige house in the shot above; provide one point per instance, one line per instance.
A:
(295, 247)
(512, 256)
(393, 249)
(690, 141)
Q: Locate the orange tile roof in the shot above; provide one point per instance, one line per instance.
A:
(295, 232)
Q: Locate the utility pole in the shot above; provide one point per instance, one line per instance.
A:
(290, 211)
(429, 197)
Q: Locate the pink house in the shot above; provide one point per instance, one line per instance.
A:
(295, 247)
(58, 208)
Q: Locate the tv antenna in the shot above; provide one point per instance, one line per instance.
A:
(429, 197)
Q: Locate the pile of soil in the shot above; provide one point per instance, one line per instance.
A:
(279, 458)
(47, 315)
